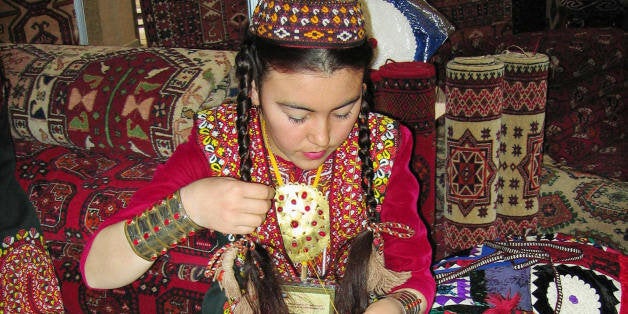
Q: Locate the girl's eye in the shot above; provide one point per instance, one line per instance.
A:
(344, 116)
(296, 120)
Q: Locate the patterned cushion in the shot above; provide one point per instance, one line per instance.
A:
(131, 100)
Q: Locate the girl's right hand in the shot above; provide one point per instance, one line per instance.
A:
(226, 204)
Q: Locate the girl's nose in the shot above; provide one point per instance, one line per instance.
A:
(319, 133)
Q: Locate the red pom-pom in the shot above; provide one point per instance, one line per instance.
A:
(373, 42)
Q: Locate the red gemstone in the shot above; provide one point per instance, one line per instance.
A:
(294, 244)
(314, 223)
(176, 216)
(136, 242)
(294, 224)
(156, 228)
(146, 235)
(304, 195)
(307, 208)
(294, 202)
(281, 197)
(166, 221)
(308, 238)
(280, 209)
(321, 233)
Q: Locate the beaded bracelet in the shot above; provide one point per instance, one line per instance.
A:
(161, 227)
(410, 303)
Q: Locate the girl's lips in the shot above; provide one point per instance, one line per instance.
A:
(314, 155)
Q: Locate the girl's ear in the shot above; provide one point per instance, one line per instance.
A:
(254, 94)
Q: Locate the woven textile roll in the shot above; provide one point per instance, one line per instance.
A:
(520, 151)
(406, 91)
(473, 89)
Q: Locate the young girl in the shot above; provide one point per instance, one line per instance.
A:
(309, 192)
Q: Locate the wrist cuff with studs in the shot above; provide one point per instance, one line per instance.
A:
(161, 227)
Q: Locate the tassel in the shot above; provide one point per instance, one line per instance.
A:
(225, 276)
(247, 304)
(253, 264)
(380, 279)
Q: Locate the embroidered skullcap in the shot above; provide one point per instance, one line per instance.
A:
(313, 24)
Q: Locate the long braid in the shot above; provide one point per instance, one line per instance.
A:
(364, 141)
(244, 71)
(353, 293)
(258, 268)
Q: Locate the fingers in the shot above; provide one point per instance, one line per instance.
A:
(258, 191)
(245, 224)
(228, 205)
(255, 206)
(254, 198)
(251, 208)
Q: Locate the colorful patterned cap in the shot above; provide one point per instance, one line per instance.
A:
(314, 24)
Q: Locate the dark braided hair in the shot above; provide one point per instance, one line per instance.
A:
(247, 69)
(256, 57)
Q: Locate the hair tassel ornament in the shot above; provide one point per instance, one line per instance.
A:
(380, 279)
(222, 269)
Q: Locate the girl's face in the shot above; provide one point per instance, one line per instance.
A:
(309, 114)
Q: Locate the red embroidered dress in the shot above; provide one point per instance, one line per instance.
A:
(396, 189)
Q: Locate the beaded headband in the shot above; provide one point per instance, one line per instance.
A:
(310, 24)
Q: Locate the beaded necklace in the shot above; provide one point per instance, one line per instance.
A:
(302, 214)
